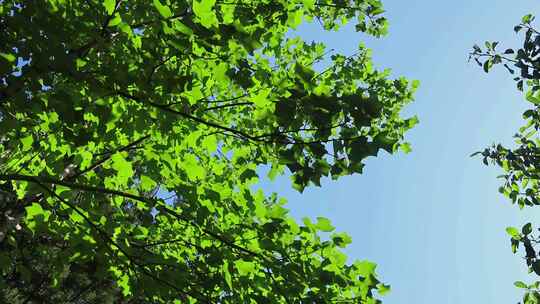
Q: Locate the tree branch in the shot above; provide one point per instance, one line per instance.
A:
(228, 105)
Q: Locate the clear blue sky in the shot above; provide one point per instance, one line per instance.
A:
(433, 220)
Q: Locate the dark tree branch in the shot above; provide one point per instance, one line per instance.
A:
(228, 106)
(103, 160)
(167, 109)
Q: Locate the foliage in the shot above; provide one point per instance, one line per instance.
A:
(521, 164)
(132, 133)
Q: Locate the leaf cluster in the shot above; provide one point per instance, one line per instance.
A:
(132, 133)
(521, 164)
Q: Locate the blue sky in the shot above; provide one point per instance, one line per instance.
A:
(433, 220)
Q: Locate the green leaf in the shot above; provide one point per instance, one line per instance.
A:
(411, 122)
(131, 101)
(324, 224)
(210, 143)
(514, 245)
(487, 65)
(365, 268)
(9, 57)
(76, 217)
(205, 13)
(227, 274)
(124, 285)
(275, 171)
(526, 229)
(163, 10)
(513, 232)
(27, 142)
(261, 99)
(115, 21)
(295, 18)
(192, 167)
(34, 210)
(86, 159)
(527, 18)
(227, 13)
(383, 289)
(36, 215)
(308, 4)
(109, 6)
(244, 267)
(405, 147)
(520, 284)
(182, 28)
(341, 239)
(147, 183)
(122, 167)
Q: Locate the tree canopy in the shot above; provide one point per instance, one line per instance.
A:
(521, 164)
(131, 137)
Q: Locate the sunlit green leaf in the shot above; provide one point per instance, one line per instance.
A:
(324, 224)
(163, 10)
(109, 6)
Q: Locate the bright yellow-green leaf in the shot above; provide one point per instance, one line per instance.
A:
(125, 28)
(205, 13)
(34, 214)
(109, 6)
(308, 4)
(122, 167)
(324, 224)
(123, 283)
(245, 268)
(86, 159)
(115, 21)
(35, 210)
(261, 98)
(383, 289)
(295, 18)
(513, 232)
(406, 147)
(415, 84)
(227, 12)
(275, 171)
(365, 268)
(192, 167)
(182, 28)
(220, 72)
(27, 142)
(163, 10)
(20, 189)
(76, 217)
(9, 57)
(147, 183)
(210, 143)
(80, 63)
